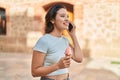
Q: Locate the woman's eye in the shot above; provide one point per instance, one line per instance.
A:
(65, 16)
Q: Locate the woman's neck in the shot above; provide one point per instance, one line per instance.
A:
(56, 33)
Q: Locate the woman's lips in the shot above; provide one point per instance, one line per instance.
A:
(67, 24)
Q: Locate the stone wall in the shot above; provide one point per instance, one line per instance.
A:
(97, 24)
(101, 26)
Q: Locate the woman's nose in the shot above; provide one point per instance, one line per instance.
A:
(66, 19)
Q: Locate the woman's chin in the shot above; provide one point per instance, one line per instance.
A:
(65, 29)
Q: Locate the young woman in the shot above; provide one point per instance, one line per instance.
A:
(53, 52)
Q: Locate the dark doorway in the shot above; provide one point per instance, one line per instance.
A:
(2, 22)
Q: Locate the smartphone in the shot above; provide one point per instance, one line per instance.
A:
(70, 27)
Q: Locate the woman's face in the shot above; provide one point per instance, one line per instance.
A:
(61, 21)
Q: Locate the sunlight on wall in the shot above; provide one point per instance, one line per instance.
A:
(101, 27)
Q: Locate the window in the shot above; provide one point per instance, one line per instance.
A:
(2, 22)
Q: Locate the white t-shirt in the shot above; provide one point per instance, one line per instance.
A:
(54, 48)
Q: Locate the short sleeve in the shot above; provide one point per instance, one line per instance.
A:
(41, 46)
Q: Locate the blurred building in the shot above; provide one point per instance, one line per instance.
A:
(97, 21)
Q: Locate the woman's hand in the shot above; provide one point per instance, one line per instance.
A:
(65, 61)
(72, 32)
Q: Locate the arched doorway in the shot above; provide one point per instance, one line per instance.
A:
(2, 22)
(70, 13)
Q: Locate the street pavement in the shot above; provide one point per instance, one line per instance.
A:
(17, 66)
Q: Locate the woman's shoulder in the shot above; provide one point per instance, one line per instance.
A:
(43, 38)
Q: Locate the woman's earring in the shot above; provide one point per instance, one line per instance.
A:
(52, 22)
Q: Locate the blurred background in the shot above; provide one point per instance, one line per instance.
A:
(98, 27)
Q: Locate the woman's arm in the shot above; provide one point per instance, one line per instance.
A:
(77, 52)
(37, 64)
